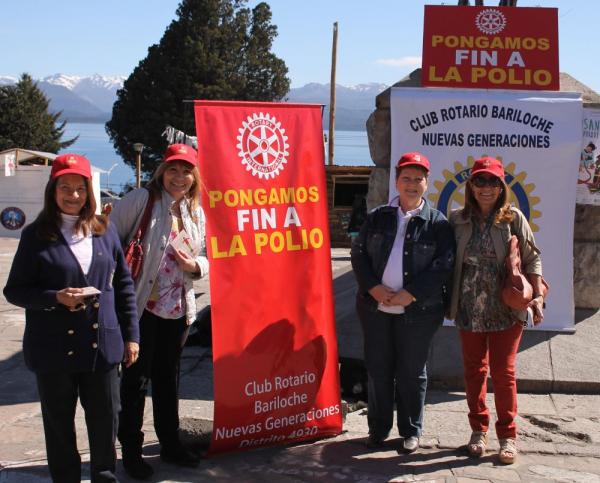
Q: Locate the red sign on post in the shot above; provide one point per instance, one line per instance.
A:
(491, 48)
(276, 377)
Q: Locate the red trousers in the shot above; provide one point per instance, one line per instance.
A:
(493, 352)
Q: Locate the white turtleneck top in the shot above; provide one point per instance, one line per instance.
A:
(80, 245)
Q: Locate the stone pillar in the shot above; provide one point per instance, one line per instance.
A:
(586, 257)
(378, 187)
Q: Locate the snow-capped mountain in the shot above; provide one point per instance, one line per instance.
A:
(6, 80)
(90, 99)
(63, 80)
(73, 106)
(75, 82)
(370, 87)
(101, 91)
(87, 99)
(354, 104)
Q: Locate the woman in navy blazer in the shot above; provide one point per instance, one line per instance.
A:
(74, 341)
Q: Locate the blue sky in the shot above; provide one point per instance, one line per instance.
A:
(379, 41)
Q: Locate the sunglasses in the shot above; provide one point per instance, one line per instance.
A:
(481, 182)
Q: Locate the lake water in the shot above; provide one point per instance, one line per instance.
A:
(351, 149)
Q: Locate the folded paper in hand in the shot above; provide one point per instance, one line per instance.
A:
(184, 243)
(529, 321)
(90, 291)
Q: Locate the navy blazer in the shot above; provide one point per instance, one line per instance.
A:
(57, 339)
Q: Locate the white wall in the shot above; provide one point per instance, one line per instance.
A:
(25, 191)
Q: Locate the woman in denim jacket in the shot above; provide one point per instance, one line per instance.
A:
(490, 332)
(402, 259)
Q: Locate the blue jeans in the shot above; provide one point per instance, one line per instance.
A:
(396, 360)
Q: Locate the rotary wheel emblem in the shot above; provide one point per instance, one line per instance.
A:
(450, 193)
(490, 21)
(262, 145)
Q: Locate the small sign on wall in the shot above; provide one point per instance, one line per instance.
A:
(9, 165)
(12, 218)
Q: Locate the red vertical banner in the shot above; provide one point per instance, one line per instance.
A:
(276, 377)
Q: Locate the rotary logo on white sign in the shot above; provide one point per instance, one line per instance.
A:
(262, 145)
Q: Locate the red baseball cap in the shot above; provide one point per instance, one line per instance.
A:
(488, 165)
(413, 159)
(181, 152)
(71, 164)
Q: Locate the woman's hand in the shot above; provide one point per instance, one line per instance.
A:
(132, 351)
(70, 297)
(382, 294)
(186, 263)
(537, 306)
(402, 297)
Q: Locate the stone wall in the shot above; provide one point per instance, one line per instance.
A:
(586, 257)
(378, 187)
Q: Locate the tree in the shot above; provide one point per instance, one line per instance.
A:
(25, 121)
(215, 49)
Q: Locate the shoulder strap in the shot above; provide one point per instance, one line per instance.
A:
(511, 225)
(141, 231)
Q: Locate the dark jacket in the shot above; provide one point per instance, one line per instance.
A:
(427, 261)
(57, 339)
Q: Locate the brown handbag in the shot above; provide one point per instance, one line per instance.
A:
(134, 252)
(517, 290)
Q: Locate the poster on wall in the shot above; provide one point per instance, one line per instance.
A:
(588, 174)
(537, 138)
(276, 378)
(9, 164)
(490, 47)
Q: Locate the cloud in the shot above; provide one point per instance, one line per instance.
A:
(401, 62)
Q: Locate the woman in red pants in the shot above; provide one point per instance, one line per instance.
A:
(490, 331)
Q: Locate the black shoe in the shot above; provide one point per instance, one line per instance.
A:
(137, 468)
(410, 444)
(373, 442)
(179, 456)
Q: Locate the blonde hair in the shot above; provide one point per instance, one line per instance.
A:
(156, 186)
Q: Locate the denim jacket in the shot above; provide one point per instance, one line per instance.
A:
(428, 258)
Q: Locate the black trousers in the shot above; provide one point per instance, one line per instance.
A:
(161, 343)
(99, 396)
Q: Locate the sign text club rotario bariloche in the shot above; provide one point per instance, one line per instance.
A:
(275, 356)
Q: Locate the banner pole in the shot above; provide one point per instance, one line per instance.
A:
(332, 95)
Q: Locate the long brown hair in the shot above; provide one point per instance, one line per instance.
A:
(502, 211)
(49, 219)
(156, 187)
